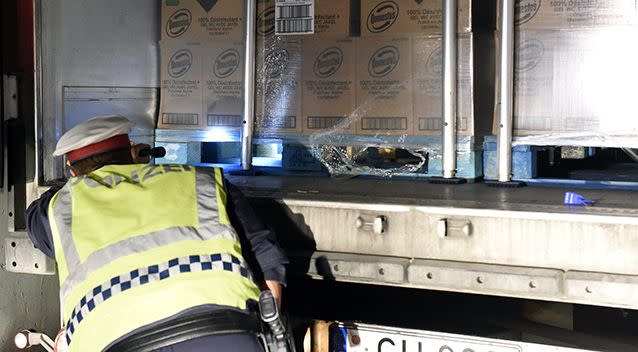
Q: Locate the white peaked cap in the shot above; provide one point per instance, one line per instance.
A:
(94, 130)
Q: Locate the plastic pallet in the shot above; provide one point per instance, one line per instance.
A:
(298, 159)
(524, 160)
(525, 168)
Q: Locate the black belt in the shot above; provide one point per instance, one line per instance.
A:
(188, 328)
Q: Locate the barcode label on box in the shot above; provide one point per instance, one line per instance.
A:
(277, 122)
(321, 122)
(224, 120)
(294, 17)
(533, 123)
(384, 123)
(180, 119)
(582, 123)
(435, 124)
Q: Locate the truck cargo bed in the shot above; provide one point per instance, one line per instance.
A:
(468, 238)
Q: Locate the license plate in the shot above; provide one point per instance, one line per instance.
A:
(372, 338)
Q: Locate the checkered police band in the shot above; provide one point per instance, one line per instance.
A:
(150, 274)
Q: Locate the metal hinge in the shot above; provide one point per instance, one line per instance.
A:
(10, 97)
(21, 256)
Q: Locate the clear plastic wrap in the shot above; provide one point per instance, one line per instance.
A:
(362, 95)
(576, 87)
(632, 153)
(349, 100)
(278, 86)
(538, 14)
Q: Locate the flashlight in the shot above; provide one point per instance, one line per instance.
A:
(157, 152)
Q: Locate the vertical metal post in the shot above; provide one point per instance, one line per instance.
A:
(449, 87)
(249, 85)
(37, 82)
(506, 90)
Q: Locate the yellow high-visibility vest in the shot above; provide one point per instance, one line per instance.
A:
(136, 244)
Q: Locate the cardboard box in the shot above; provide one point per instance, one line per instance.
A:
(391, 17)
(575, 81)
(223, 84)
(278, 89)
(576, 110)
(181, 89)
(384, 86)
(265, 18)
(201, 20)
(537, 14)
(428, 86)
(595, 75)
(332, 18)
(535, 110)
(328, 85)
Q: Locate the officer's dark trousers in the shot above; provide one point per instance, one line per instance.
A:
(215, 343)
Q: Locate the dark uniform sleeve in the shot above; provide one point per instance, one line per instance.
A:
(38, 226)
(269, 257)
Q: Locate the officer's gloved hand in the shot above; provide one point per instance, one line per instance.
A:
(135, 151)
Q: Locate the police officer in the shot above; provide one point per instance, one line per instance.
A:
(149, 257)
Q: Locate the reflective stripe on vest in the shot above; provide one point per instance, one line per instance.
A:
(125, 232)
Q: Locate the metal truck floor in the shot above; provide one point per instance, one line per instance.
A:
(465, 238)
(477, 195)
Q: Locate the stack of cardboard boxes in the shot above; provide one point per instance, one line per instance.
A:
(371, 67)
(328, 84)
(201, 64)
(380, 77)
(305, 84)
(407, 98)
(575, 67)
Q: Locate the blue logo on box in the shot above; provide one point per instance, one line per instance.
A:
(383, 16)
(180, 63)
(226, 63)
(328, 62)
(528, 54)
(526, 10)
(383, 61)
(178, 23)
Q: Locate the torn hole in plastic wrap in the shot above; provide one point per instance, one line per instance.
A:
(354, 161)
(371, 139)
(396, 125)
(376, 133)
(381, 155)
